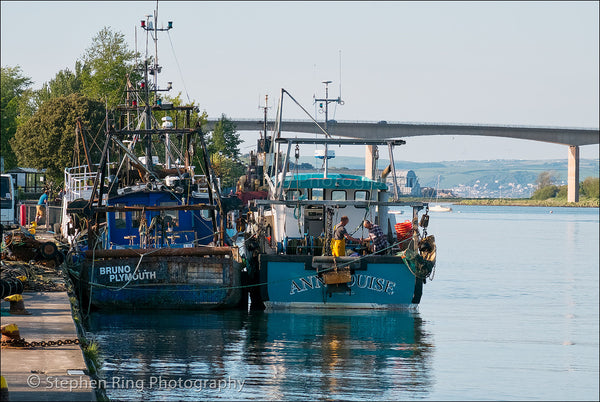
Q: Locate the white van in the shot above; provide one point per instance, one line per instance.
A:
(8, 201)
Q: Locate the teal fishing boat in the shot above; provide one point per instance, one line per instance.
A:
(295, 256)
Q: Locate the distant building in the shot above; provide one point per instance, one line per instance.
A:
(28, 179)
(408, 183)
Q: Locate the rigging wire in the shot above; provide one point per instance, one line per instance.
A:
(178, 67)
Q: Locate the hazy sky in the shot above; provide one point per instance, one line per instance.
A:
(518, 63)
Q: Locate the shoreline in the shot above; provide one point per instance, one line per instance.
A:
(518, 202)
(531, 203)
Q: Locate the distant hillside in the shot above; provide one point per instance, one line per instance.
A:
(480, 178)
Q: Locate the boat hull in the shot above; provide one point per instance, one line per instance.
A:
(155, 282)
(376, 282)
(440, 208)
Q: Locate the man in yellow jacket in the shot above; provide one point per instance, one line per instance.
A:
(338, 244)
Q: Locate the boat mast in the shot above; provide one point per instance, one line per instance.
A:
(264, 143)
(151, 28)
(327, 101)
(265, 108)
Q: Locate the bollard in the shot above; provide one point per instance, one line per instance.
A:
(10, 332)
(3, 389)
(17, 306)
(23, 215)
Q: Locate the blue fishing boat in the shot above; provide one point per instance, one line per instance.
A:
(295, 256)
(151, 234)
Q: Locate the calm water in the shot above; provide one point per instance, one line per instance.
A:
(512, 314)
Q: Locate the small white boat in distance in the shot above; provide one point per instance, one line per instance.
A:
(440, 208)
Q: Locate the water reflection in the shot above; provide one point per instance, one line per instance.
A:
(278, 355)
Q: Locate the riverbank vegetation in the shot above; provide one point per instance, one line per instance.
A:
(527, 202)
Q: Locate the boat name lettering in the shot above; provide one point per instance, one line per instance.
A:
(310, 282)
(120, 269)
(132, 277)
(123, 273)
(361, 281)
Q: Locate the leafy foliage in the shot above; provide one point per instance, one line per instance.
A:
(563, 192)
(46, 141)
(64, 83)
(223, 149)
(14, 93)
(225, 139)
(227, 169)
(106, 65)
(591, 187)
(545, 192)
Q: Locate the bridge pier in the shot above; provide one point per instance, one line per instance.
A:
(573, 174)
(369, 159)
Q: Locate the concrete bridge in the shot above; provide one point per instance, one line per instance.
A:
(571, 137)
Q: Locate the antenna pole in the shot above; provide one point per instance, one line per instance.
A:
(153, 69)
(340, 97)
(326, 101)
(265, 108)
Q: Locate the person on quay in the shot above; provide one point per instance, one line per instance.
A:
(40, 208)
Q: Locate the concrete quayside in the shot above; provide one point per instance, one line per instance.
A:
(53, 373)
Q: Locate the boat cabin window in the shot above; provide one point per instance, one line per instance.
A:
(293, 195)
(361, 195)
(174, 215)
(317, 194)
(338, 195)
(135, 219)
(205, 214)
(120, 218)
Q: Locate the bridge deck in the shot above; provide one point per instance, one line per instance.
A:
(389, 130)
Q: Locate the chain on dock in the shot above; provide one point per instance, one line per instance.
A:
(22, 343)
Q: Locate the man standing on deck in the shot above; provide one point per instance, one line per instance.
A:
(377, 236)
(40, 208)
(338, 244)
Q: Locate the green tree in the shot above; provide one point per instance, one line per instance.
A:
(106, 65)
(562, 192)
(47, 139)
(13, 94)
(227, 169)
(64, 83)
(591, 187)
(545, 192)
(225, 139)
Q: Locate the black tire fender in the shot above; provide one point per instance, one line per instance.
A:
(48, 250)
